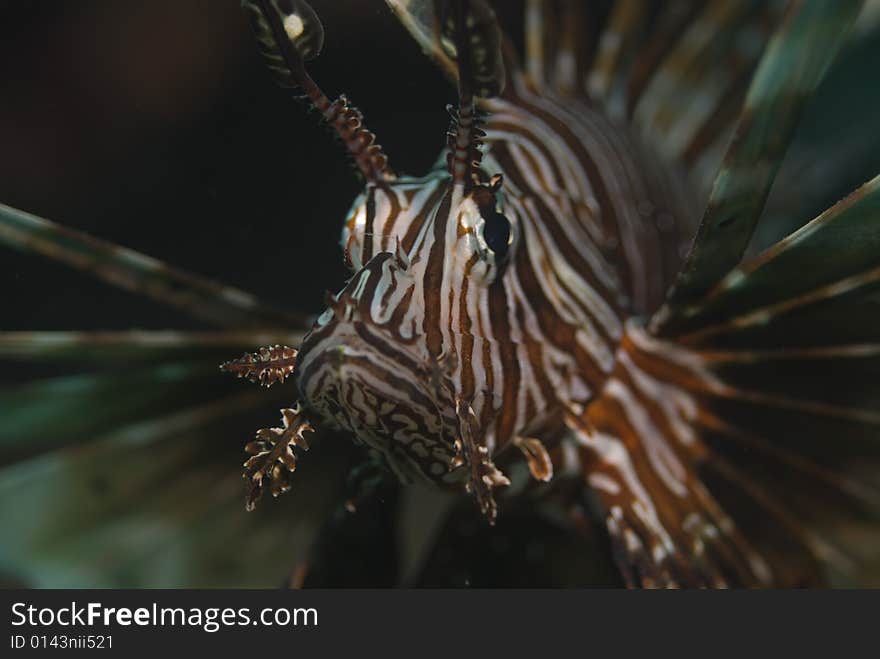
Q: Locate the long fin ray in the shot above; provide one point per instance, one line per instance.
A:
(776, 281)
(136, 272)
(44, 414)
(135, 346)
(866, 494)
(791, 67)
(152, 502)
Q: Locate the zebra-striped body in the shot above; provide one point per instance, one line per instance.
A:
(593, 229)
(716, 412)
(538, 286)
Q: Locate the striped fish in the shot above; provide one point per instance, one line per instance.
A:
(570, 287)
(539, 287)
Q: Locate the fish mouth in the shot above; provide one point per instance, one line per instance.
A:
(365, 379)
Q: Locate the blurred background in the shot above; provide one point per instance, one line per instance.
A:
(155, 125)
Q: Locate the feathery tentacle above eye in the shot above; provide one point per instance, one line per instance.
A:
(289, 33)
(463, 37)
(470, 34)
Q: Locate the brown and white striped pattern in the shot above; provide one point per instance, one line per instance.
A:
(521, 341)
(438, 356)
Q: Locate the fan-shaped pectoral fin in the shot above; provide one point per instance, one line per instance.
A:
(666, 529)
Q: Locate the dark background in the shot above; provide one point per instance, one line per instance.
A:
(154, 124)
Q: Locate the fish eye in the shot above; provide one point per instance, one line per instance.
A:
(496, 234)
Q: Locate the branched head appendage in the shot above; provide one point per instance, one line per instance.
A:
(273, 458)
(267, 366)
(289, 33)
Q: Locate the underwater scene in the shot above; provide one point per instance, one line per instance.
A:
(440, 293)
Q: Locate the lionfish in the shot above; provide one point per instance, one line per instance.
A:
(570, 287)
